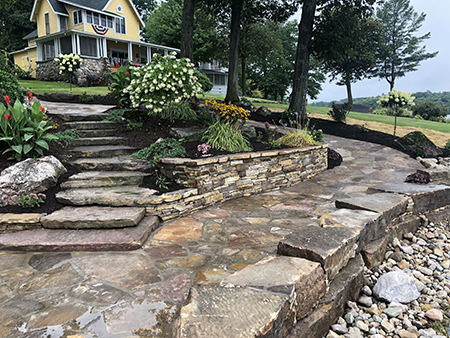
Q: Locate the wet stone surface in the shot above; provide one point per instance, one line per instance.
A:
(124, 294)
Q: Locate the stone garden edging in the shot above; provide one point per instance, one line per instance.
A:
(220, 178)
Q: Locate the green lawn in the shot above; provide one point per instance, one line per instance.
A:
(42, 87)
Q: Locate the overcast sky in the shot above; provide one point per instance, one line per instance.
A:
(432, 74)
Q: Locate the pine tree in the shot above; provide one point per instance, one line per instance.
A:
(403, 51)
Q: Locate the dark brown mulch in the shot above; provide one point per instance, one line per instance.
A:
(68, 98)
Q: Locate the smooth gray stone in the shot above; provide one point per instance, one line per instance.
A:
(396, 286)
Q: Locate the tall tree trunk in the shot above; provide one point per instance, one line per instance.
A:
(233, 60)
(243, 75)
(187, 30)
(300, 85)
(348, 84)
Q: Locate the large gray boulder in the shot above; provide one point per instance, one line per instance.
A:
(33, 175)
(396, 286)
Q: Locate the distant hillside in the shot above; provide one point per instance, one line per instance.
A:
(440, 98)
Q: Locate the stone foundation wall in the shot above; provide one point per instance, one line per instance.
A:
(91, 73)
(220, 178)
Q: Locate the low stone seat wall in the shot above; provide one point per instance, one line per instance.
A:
(216, 179)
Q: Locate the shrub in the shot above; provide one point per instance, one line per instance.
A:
(169, 147)
(204, 81)
(68, 64)
(289, 118)
(245, 104)
(339, 114)
(226, 136)
(119, 82)
(10, 87)
(297, 138)
(115, 115)
(428, 109)
(164, 81)
(24, 129)
(180, 110)
(447, 146)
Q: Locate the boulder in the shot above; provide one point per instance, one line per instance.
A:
(396, 286)
(33, 175)
(263, 111)
(418, 145)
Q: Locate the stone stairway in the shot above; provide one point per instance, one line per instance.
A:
(104, 202)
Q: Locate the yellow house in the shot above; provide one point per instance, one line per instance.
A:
(94, 29)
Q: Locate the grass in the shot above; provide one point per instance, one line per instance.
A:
(42, 87)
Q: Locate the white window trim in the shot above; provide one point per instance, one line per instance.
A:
(47, 16)
(81, 17)
(120, 25)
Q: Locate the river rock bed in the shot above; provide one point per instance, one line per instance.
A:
(424, 258)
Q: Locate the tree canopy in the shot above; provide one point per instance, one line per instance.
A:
(403, 51)
(346, 43)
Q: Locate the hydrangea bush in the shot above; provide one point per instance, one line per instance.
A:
(396, 100)
(163, 81)
(68, 64)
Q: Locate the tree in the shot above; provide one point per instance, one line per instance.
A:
(187, 30)
(300, 83)
(346, 43)
(144, 7)
(403, 53)
(164, 27)
(15, 23)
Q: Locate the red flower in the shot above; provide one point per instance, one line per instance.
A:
(29, 96)
(127, 74)
(42, 109)
(117, 65)
(7, 117)
(7, 100)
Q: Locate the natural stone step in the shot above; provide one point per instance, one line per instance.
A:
(90, 179)
(346, 286)
(131, 238)
(425, 197)
(97, 141)
(113, 196)
(215, 311)
(97, 132)
(302, 280)
(93, 218)
(118, 163)
(389, 205)
(91, 125)
(81, 116)
(103, 151)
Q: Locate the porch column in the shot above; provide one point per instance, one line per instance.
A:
(39, 51)
(166, 52)
(105, 48)
(130, 52)
(78, 44)
(149, 54)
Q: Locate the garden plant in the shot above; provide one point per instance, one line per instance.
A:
(396, 100)
(68, 64)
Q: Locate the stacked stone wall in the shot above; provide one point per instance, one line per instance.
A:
(220, 178)
(91, 73)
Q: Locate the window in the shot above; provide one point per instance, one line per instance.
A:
(66, 44)
(62, 23)
(219, 79)
(77, 17)
(103, 20)
(47, 23)
(120, 25)
(110, 22)
(96, 18)
(49, 50)
(89, 17)
(88, 46)
(99, 19)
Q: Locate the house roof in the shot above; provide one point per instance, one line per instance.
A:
(33, 34)
(94, 5)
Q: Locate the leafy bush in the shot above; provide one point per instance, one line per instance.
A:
(447, 146)
(10, 87)
(180, 110)
(164, 81)
(169, 147)
(24, 129)
(67, 136)
(297, 138)
(204, 81)
(226, 136)
(245, 103)
(289, 118)
(119, 82)
(85, 98)
(339, 114)
(429, 109)
(317, 135)
(68, 64)
(115, 115)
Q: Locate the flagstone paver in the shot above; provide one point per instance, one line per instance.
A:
(141, 291)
